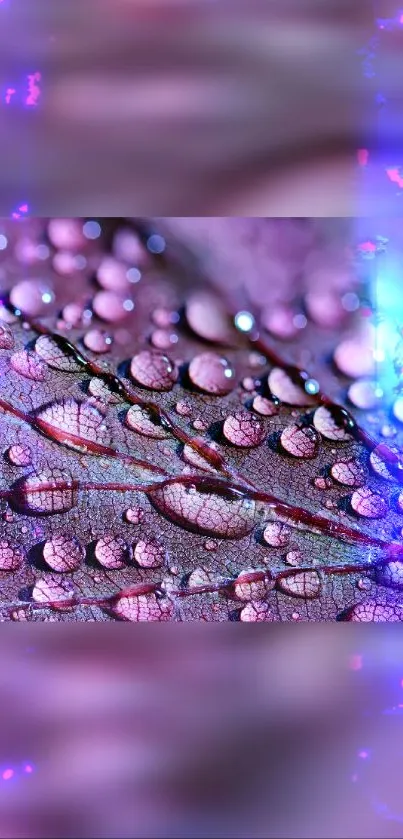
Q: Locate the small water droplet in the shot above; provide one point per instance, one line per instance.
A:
(326, 421)
(368, 504)
(97, 341)
(162, 339)
(371, 611)
(153, 370)
(349, 472)
(134, 515)
(388, 430)
(183, 408)
(208, 318)
(294, 558)
(365, 394)
(245, 589)
(11, 556)
(255, 612)
(112, 274)
(210, 545)
(49, 590)
(112, 551)
(248, 384)
(19, 455)
(63, 553)
(109, 306)
(140, 420)
(264, 406)
(276, 535)
(149, 553)
(224, 514)
(364, 584)
(212, 373)
(27, 363)
(6, 338)
(195, 459)
(289, 386)
(300, 441)
(244, 429)
(143, 607)
(303, 584)
(354, 356)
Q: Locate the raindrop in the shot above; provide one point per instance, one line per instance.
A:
(208, 318)
(97, 341)
(143, 607)
(304, 584)
(196, 459)
(11, 556)
(244, 429)
(31, 296)
(74, 423)
(149, 553)
(368, 504)
(109, 306)
(378, 463)
(294, 558)
(56, 354)
(212, 373)
(48, 590)
(6, 338)
(66, 233)
(300, 441)
(153, 370)
(19, 455)
(100, 390)
(112, 274)
(63, 553)
(354, 356)
(255, 612)
(252, 589)
(390, 574)
(371, 611)
(29, 365)
(134, 515)
(349, 472)
(42, 493)
(183, 408)
(210, 545)
(112, 551)
(248, 384)
(331, 424)
(280, 322)
(289, 386)
(140, 420)
(276, 535)
(264, 406)
(365, 394)
(224, 513)
(162, 339)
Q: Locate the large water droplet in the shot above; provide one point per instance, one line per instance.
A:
(143, 607)
(74, 423)
(289, 387)
(365, 394)
(56, 354)
(244, 429)
(19, 455)
(212, 373)
(6, 338)
(49, 590)
(29, 365)
(140, 420)
(255, 612)
(112, 551)
(326, 422)
(47, 492)
(112, 274)
(208, 318)
(371, 611)
(101, 392)
(63, 553)
(31, 296)
(226, 513)
(378, 464)
(245, 588)
(153, 370)
(149, 553)
(11, 556)
(303, 584)
(369, 504)
(300, 441)
(276, 534)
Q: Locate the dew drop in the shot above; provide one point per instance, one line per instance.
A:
(42, 493)
(210, 545)
(244, 429)
(102, 392)
(97, 341)
(201, 577)
(264, 407)
(161, 339)
(280, 322)
(379, 466)
(255, 612)
(183, 408)
(112, 274)
(143, 607)
(368, 504)
(326, 421)
(289, 387)
(48, 590)
(66, 233)
(74, 423)
(27, 363)
(225, 513)
(294, 558)
(149, 553)
(390, 574)
(153, 370)
(276, 535)
(248, 384)
(63, 553)
(212, 373)
(6, 338)
(197, 460)
(11, 556)
(109, 306)
(349, 472)
(245, 589)
(31, 296)
(140, 420)
(19, 455)
(208, 318)
(371, 611)
(112, 551)
(364, 584)
(304, 584)
(300, 441)
(365, 394)
(354, 356)
(53, 351)
(134, 515)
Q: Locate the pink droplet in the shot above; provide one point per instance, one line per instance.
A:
(63, 553)
(112, 551)
(368, 504)
(282, 386)
(11, 556)
(276, 534)
(280, 322)
(208, 318)
(109, 306)
(134, 515)
(97, 341)
(300, 441)
(138, 419)
(212, 373)
(6, 338)
(244, 429)
(365, 394)
(149, 553)
(28, 364)
(143, 607)
(303, 584)
(153, 370)
(225, 515)
(349, 472)
(354, 356)
(66, 233)
(162, 339)
(31, 296)
(19, 455)
(326, 424)
(249, 589)
(256, 612)
(264, 406)
(112, 274)
(371, 611)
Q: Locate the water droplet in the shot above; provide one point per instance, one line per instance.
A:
(63, 553)
(97, 341)
(19, 455)
(11, 556)
(322, 483)
(289, 386)
(42, 493)
(149, 553)
(56, 354)
(248, 384)
(276, 535)
(183, 408)
(112, 274)
(102, 392)
(201, 577)
(371, 611)
(195, 459)
(255, 612)
(252, 589)
(162, 339)
(349, 472)
(244, 429)
(390, 574)
(264, 407)
(74, 423)
(29, 365)
(368, 504)
(280, 322)
(212, 373)
(326, 422)
(378, 464)
(112, 551)
(208, 318)
(66, 233)
(210, 545)
(364, 584)
(304, 584)
(388, 431)
(134, 515)
(109, 306)
(164, 317)
(153, 370)
(365, 394)
(294, 558)
(48, 590)
(143, 607)
(354, 356)
(6, 338)
(300, 441)
(225, 513)
(140, 420)
(31, 296)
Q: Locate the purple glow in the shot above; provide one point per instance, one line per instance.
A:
(34, 90)
(7, 774)
(28, 768)
(9, 92)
